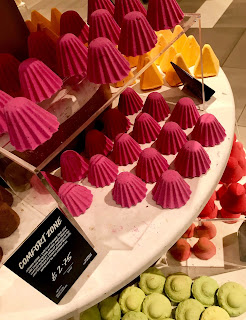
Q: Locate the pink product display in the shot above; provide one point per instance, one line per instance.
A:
(156, 106)
(29, 125)
(38, 185)
(208, 131)
(129, 102)
(192, 160)
(9, 76)
(102, 171)
(234, 199)
(114, 123)
(71, 22)
(185, 113)
(181, 251)
(136, 36)
(94, 5)
(4, 98)
(189, 233)
(72, 56)
(97, 143)
(128, 190)
(38, 82)
(102, 24)
(73, 166)
(53, 181)
(171, 138)
(207, 229)
(171, 191)
(151, 165)
(41, 47)
(146, 129)
(233, 171)
(123, 7)
(204, 249)
(164, 14)
(76, 198)
(105, 63)
(126, 149)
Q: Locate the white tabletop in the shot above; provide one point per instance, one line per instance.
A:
(127, 240)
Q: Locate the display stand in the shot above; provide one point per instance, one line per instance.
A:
(113, 269)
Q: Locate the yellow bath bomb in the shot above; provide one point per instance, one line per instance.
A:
(132, 60)
(178, 44)
(171, 76)
(125, 80)
(168, 35)
(211, 64)
(161, 44)
(55, 20)
(190, 51)
(167, 57)
(150, 78)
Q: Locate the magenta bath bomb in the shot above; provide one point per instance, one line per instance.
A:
(151, 165)
(128, 190)
(171, 191)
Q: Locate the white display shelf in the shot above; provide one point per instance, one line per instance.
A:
(127, 240)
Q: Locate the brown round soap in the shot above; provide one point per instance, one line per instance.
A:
(9, 220)
(6, 196)
(18, 177)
